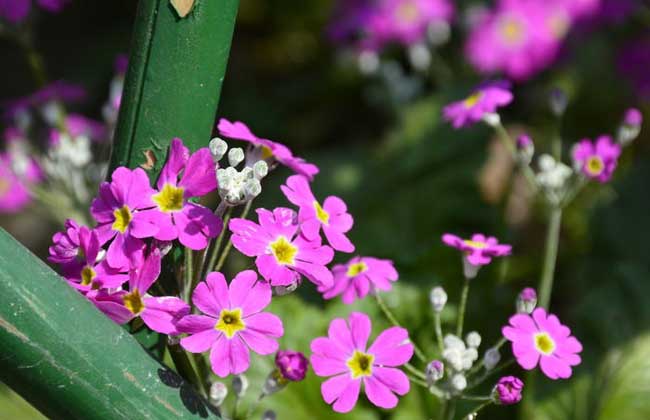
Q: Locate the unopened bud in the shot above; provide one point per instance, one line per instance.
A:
(239, 385)
(631, 127)
(491, 358)
(173, 340)
(492, 119)
(459, 382)
(419, 56)
(218, 148)
(469, 270)
(525, 149)
(435, 371)
(526, 301)
(218, 393)
(269, 415)
(438, 298)
(285, 290)
(252, 188)
(260, 169)
(473, 339)
(235, 156)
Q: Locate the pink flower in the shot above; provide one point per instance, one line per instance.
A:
(267, 149)
(343, 356)
(360, 276)
(14, 194)
(597, 160)
(174, 215)
(117, 212)
(232, 323)
(406, 21)
(541, 339)
(480, 249)
(508, 390)
(158, 313)
(282, 253)
(484, 100)
(332, 216)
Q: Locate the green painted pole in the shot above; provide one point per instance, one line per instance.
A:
(173, 83)
(69, 360)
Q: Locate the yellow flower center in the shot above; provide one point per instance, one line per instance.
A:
(475, 244)
(283, 251)
(266, 152)
(169, 199)
(558, 24)
(407, 12)
(4, 187)
(123, 217)
(87, 275)
(473, 99)
(511, 30)
(133, 302)
(360, 364)
(356, 269)
(544, 343)
(230, 321)
(595, 165)
(321, 214)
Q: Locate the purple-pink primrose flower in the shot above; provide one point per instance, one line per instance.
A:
(508, 390)
(158, 313)
(541, 339)
(283, 254)
(233, 322)
(358, 277)
(172, 213)
(117, 210)
(597, 160)
(406, 21)
(15, 11)
(332, 216)
(633, 117)
(77, 250)
(14, 194)
(479, 250)
(267, 149)
(343, 356)
(293, 365)
(485, 99)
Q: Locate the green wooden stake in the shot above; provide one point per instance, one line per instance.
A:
(69, 360)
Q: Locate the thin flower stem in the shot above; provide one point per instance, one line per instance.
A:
(462, 308)
(475, 398)
(185, 369)
(417, 381)
(391, 318)
(226, 251)
(415, 371)
(214, 252)
(254, 406)
(478, 408)
(509, 143)
(550, 257)
(438, 327)
(189, 273)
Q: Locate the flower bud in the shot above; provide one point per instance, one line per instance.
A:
(507, 391)
(492, 119)
(459, 382)
(526, 301)
(435, 371)
(438, 298)
(293, 365)
(419, 56)
(269, 415)
(525, 149)
(491, 358)
(260, 169)
(218, 393)
(558, 101)
(469, 270)
(235, 156)
(239, 385)
(631, 127)
(218, 148)
(473, 339)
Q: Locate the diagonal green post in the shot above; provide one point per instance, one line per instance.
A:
(56, 349)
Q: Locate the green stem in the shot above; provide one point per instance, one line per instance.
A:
(391, 318)
(462, 308)
(474, 398)
(214, 253)
(184, 367)
(438, 327)
(254, 406)
(550, 257)
(189, 274)
(478, 408)
(417, 381)
(415, 371)
(226, 251)
(509, 143)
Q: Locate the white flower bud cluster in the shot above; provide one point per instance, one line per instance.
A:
(237, 186)
(460, 357)
(553, 178)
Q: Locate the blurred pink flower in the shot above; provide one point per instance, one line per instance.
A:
(480, 249)
(484, 100)
(597, 160)
(358, 277)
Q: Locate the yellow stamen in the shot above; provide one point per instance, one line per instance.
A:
(360, 364)
(595, 165)
(230, 321)
(512, 31)
(356, 269)
(133, 302)
(283, 251)
(407, 12)
(266, 152)
(169, 199)
(544, 343)
(472, 99)
(321, 214)
(475, 244)
(87, 275)
(123, 217)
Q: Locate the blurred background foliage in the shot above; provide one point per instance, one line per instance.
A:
(408, 177)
